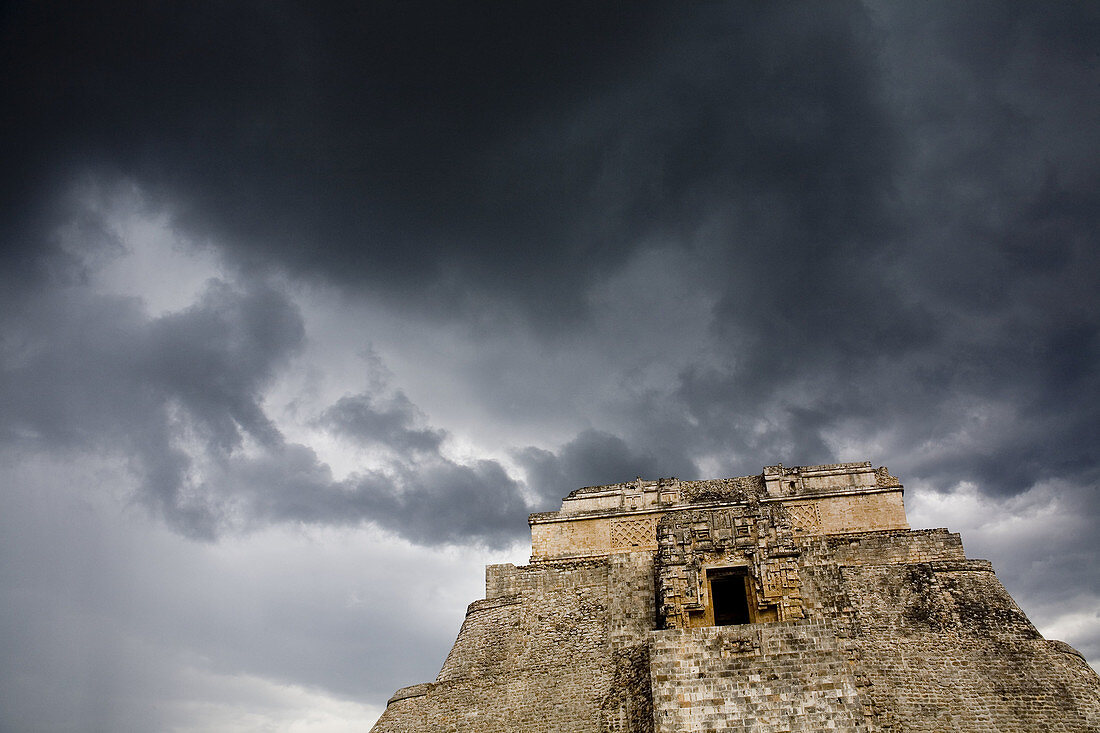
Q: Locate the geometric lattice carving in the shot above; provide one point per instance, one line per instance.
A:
(805, 516)
(634, 533)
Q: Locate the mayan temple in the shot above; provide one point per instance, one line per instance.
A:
(794, 600)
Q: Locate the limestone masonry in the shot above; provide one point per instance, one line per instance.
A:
(795, 600)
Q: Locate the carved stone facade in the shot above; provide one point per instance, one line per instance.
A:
(694, 543)
(794, 600)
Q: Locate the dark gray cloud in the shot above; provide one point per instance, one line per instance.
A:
(893, 207)
(86, 372)
(895, 188)
(373, 133)
(392, 424)
(442, 501)
(181, 395)
(973, 311)
(901, 200)
(594, 458)
(527, 148)
(422, 496)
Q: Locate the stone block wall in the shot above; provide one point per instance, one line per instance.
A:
(942, 646)
(783, 676)
(632, 599)
(882, 548)
(901, 632)
(555, 647)
(882, 510)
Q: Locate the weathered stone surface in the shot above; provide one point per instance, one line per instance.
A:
(835, 616)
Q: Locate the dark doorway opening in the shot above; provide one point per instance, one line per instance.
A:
(729, 596)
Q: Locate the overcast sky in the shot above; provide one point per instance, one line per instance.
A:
(303, 311)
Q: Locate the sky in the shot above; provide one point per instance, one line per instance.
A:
(305, 306)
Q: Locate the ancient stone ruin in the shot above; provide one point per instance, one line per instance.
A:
(795, 600)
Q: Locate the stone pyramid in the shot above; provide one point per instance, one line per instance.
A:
(794, 600)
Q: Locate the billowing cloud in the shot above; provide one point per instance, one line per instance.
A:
(92, 373)
(182, 397)
(391, 424)
(593, 458)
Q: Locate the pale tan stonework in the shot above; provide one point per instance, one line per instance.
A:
(835, 616)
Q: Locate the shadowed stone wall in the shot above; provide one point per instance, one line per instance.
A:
(559, 647)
